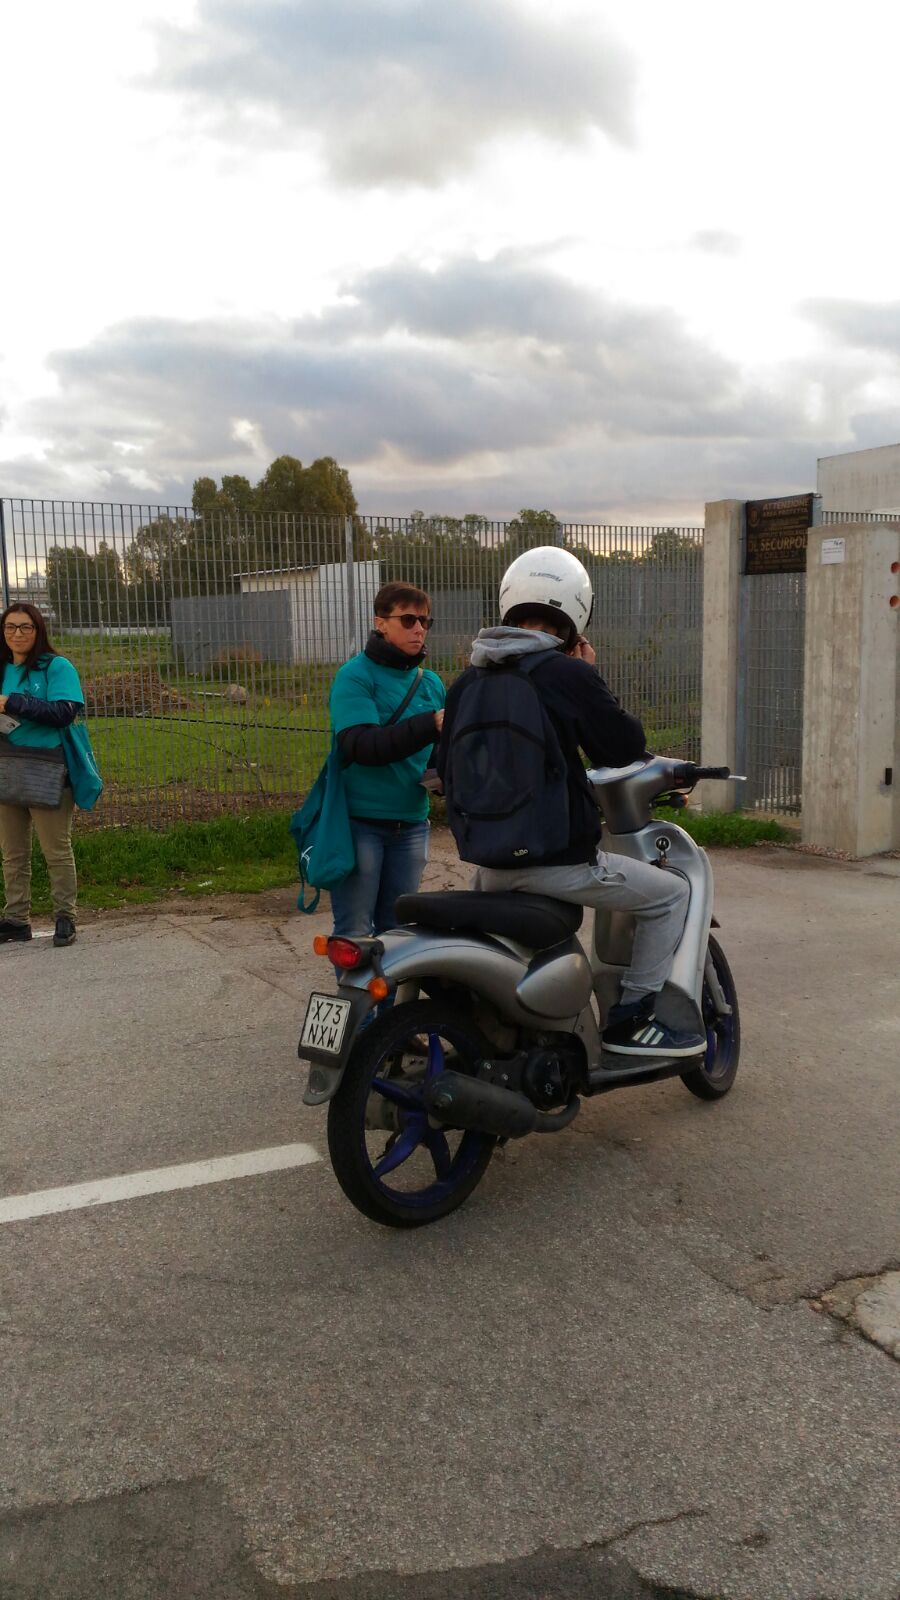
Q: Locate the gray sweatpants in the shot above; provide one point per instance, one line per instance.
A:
(659, 901)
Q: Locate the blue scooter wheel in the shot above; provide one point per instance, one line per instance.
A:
(390, 1160)
(715, 1076)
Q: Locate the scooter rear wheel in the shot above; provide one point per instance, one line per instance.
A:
(393, 1165)
(715, 1076)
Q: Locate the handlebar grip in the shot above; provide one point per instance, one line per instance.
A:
(713, 772)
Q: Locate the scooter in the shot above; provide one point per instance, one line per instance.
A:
(479, 1017)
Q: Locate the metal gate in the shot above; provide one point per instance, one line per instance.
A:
(770, 691)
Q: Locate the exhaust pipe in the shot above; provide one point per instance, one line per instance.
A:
(461, 1102)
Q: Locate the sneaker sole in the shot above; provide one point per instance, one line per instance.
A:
(657, 1052)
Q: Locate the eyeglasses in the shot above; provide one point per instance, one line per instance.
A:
(408, 620)
(18, 627)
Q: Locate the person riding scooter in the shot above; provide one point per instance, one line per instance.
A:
(548, 838)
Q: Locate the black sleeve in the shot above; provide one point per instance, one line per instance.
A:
(51, 713)
(608, 735)
(372, 746)
(585, 706)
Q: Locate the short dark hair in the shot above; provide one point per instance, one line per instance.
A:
(41, 646)
(399, 594)
(561, 625)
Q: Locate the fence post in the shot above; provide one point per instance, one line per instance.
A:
(851, 694)
(352, 645)
(4, 563)
(722, 560)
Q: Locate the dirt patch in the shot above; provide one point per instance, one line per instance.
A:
(131, 694)
(870, 1305)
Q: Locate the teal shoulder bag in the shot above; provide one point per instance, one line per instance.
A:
(81, 763)
(87, 784)
(322, 833)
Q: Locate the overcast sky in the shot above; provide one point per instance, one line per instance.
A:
(610, 260)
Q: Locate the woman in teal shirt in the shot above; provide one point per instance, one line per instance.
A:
(41, 691)
(387, 800)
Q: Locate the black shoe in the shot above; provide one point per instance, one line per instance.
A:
(633, 1030)
(65, 931)
(14, 932)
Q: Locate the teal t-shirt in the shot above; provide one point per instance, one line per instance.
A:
(366, 692)
(53, 678)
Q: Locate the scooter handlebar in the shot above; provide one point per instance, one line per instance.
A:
(689, 773)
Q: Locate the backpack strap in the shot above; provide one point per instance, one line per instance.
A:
(396, 715)
(535, 658)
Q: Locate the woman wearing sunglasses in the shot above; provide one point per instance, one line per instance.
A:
(40, 695)
(389, 754)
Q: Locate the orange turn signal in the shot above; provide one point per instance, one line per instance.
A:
(320, 944)
(378, 988)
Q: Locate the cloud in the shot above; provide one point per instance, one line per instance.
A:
(483, 385)
(717, 242)
(396, 91)
(864, 325)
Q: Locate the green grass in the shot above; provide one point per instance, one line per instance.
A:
(243, 855)
(133, 866)
(726, 827)
(226, 752)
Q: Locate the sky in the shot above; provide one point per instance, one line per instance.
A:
(613, 261)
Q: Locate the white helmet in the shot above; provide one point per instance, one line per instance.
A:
(547, 581)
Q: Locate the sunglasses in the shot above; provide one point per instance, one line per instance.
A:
(408, 620)
(18, 627)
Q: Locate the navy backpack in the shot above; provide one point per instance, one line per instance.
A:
(505, 775)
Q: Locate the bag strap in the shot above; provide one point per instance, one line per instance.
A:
(396, 715)
(534, 658)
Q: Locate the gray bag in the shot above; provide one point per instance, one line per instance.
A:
(31, 777)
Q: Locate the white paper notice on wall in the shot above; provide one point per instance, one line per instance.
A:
(832, 550)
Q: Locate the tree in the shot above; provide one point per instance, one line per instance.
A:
(85, 590)
(432, 553)
(69, 588)
(294, 516)
(235, 496)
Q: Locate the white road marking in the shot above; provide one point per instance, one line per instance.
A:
(157, 1180)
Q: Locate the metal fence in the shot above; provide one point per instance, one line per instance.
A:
(207, 645)
(770, 717)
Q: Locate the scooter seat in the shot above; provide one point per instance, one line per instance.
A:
(533, 920)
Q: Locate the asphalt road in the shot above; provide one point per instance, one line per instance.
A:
(608, 1375)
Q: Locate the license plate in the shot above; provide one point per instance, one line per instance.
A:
(325, 1024)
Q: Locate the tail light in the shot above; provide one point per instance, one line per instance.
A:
(344, 953)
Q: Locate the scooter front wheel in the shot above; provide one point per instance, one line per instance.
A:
(390, 1161)
(715, 1076)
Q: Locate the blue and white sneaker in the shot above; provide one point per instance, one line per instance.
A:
(633, 1030)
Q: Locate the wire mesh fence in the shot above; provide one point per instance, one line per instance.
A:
(773, 631)
(206, 645)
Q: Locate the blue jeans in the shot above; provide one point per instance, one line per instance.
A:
(389, 862)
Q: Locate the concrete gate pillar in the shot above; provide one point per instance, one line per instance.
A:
(722, 557)
(851, 696)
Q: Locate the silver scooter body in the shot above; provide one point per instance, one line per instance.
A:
(561, 989)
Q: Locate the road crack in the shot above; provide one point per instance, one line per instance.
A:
(646, 1522)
